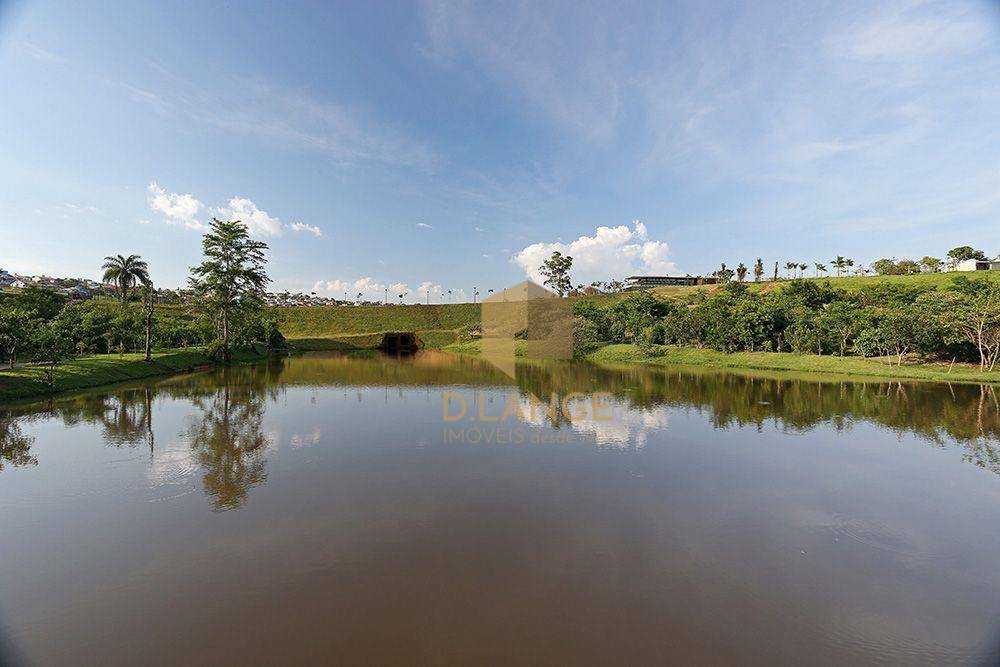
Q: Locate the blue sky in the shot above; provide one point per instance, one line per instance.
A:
(453, 144)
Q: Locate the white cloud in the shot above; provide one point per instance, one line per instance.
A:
(424, 225)
(371, 289)
(612, 252)
(179, 209)
(303, 227)
(257, 221)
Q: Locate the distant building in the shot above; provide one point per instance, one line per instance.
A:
(977, 265)
(989, 264)
(646, 282)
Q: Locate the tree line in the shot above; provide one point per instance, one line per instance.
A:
(957, 323)
(228, 312)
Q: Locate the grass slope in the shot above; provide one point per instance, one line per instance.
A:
(102, 369)
(353, 327)
(933, 280)
(783, 361)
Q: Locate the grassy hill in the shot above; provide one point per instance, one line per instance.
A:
(353, 327)
(933, 280)
(320, 328)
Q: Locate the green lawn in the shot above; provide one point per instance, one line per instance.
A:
(101, 369)
(783, 361)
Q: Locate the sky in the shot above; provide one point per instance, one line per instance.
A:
(434, 146)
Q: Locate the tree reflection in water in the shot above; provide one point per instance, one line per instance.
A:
(227, 439)
(229, 443)
(15, 446)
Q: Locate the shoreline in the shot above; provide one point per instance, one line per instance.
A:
(854, 368)
(26, 383)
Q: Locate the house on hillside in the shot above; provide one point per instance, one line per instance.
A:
(977, 265)
(988, 264)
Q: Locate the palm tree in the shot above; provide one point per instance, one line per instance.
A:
(125, 273)
(790, 266)
(758, 270)
(741, 272)
(840, 263)
(820, 268)
(802, 270)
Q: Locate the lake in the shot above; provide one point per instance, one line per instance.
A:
(429, 509)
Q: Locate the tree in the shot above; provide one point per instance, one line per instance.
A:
(758, 270)
(44, 303)
(147, 310)
(840, 263)
(125, 273)
(15, 330)
(820, 268)
(931, 264)
(907, 266)
(556, 272)
(964, 252)
(741, 272)
(885, 267)
(723, 274)
(776, 272)
(802, 269)
(51, 344)
(971, 313)
(232, 276)
(789, 266)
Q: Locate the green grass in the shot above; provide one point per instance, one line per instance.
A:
(932, 280)
(360, 327)
(103, 369)
(783, 361)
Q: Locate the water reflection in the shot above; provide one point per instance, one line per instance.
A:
(693, 527)
(228, 442)
(15, 446)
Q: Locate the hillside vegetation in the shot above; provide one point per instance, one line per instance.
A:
(350, 327)
(921, 280)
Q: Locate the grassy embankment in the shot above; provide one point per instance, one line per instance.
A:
(932, 280)
(618, 355)
(361, 327)
(102, 369)
(666, 355)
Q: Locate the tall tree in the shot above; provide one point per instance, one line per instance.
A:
(232, 275)
(758, 270)
(741, 272)
(839, 263)
(791, 266)
(15, 330)
(820, 268)
(931, 264)
(964, 252)
(147, 311)
(125, 273)
(556, 271)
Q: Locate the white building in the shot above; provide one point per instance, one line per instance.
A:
(977, 265)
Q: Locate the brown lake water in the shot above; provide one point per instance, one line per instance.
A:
(335, 509)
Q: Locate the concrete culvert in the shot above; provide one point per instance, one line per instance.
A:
(400, 341)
